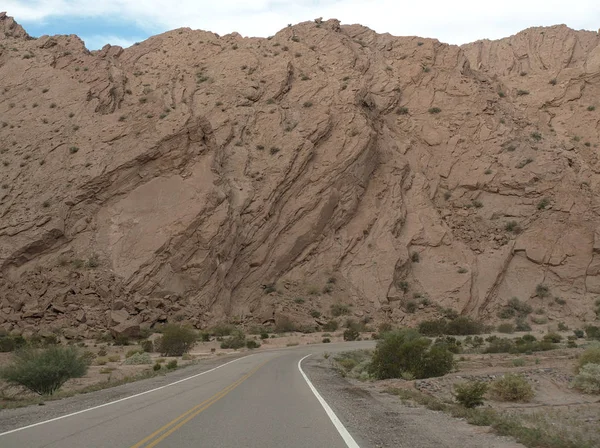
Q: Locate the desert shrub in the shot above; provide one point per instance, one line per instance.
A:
(339, 309)
(326, 341)
(172, 364)
(122, 340)
(45, 371)
(130, 353)
(351, 334)
(451, 344)
(331, 325)
(511, 388)
(102, 352)
(264, 335)
(500, 345)
(176, 340)
(433, 327)
(520, 309)
(591, 355)
(522, 325)
(518, 362)
(434, 110)
(252, 344)
(147, 346)
(222, 330)
(235, 341)
(464, 325)
(579, 333)
(138, 359)
(315, 314)
(506, 328)
(10, 343)
(592, 332)
(470, 394)
(156, 367)
(284, 325)
(114, 358)
(101, 361)
(410, 306)
(555, 338)
(588, 379)
(542, 290)
(406, 352)
(528, 338)
(384, 328)
(204, 336)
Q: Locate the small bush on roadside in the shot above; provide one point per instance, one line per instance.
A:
(511, 388)
(156, 367)
(326, 341)
(264, 335)
(406, 352)
(351, 334)
(114, 358)
(222, 330)
(384, 328)
(252, 344)
(284, 325)
(470, 394)
(172, 364)
(235, 341)
(45, 371)
(130, 353)
(591, 355)
(518, 362)
(176, 340)
(588, 379)
(138, 359)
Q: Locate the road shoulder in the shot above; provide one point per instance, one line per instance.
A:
(380, 420)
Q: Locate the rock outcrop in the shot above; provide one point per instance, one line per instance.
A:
(203, 178)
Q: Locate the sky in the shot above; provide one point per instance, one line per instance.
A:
(124, 22)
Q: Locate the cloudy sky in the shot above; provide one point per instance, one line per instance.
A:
(123, 22)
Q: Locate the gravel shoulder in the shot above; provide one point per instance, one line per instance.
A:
(19, 417)
(378, 420)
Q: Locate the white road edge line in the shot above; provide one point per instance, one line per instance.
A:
(123, 399)
(350, 442)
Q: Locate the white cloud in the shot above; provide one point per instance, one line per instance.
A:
(99, 40)
(450, 21)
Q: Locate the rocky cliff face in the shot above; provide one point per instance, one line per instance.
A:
(204, 178)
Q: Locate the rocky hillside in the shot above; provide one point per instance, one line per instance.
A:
(204, 178)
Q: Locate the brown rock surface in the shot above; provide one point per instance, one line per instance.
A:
(220, 177)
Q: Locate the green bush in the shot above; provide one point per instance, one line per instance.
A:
(252, 344)
(591, 355)
(45, 371)
(555, 338)
(470, 394)
(579, 333)
(11, 343)
(176, 340)
(156, 367)
(506, 328)
(406, 352)
(592, 332)
(147, 346)
(222, 330)
(315, 313)
(331, 325)
(511, 388)
(433, 327)
(326, 341)
(522, 325)
(351, 334)
(339, 309)
(235, 341)
(264, 335)
(588, 379)
(138, 359)
(464, 325)
(172, 364)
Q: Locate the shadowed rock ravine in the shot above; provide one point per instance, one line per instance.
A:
(205, 178)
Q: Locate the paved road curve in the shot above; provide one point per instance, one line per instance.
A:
(262, 401)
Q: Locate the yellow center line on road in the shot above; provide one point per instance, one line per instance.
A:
(178, 422)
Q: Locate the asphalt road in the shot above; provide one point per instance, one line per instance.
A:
(263, 400)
